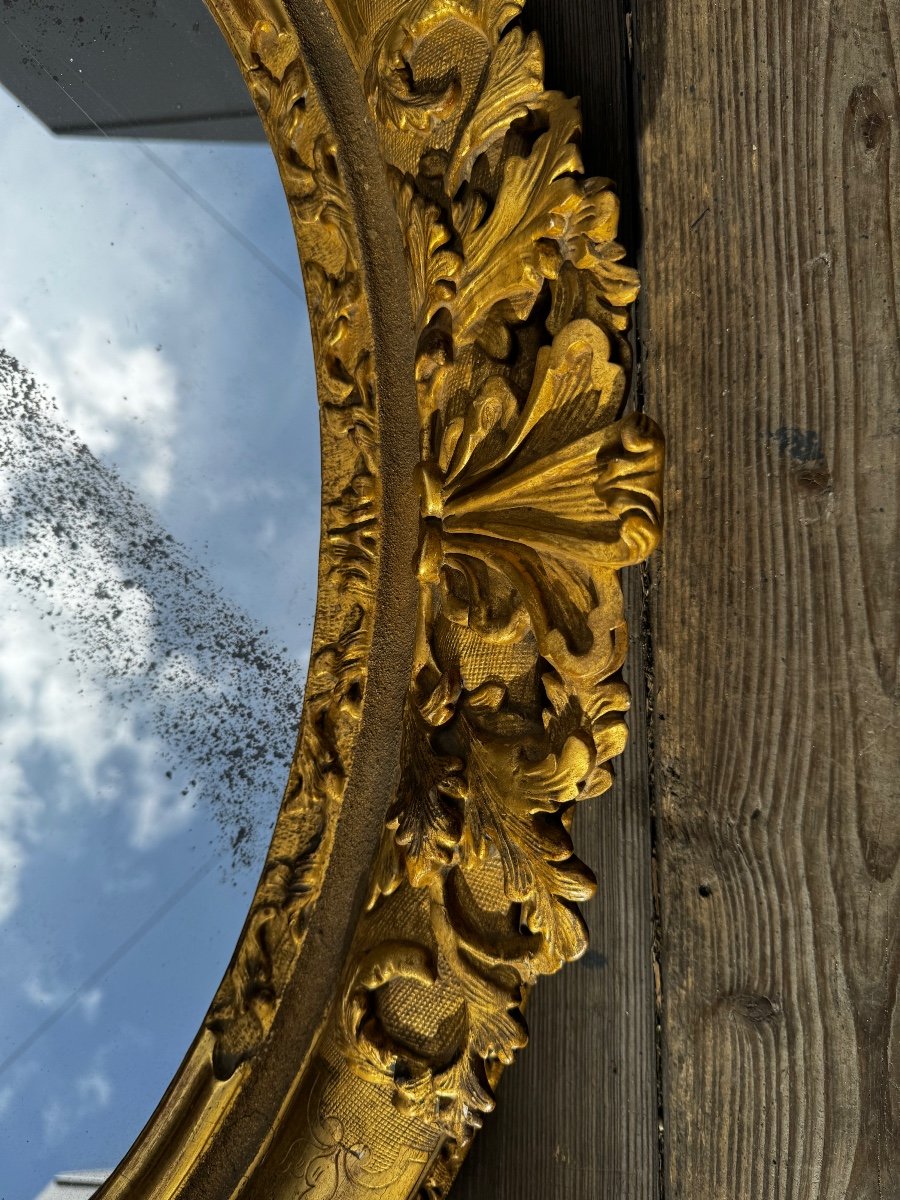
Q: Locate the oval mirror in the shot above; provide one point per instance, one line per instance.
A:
(159, 519)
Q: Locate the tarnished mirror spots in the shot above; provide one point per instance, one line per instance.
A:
(159, 525)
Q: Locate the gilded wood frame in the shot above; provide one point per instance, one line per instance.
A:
(482, 486)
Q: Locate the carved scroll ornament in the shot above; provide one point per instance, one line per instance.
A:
(482, 487)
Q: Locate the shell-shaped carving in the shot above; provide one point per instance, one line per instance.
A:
(513, 489)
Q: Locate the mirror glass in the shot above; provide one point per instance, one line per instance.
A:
(159, 518)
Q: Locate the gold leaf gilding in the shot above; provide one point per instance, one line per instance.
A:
(535, 487)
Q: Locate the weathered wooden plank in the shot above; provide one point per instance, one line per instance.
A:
(576, 1115)
(770, 182)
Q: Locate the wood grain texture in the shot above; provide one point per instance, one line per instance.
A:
(770, 182)
(577, 1114)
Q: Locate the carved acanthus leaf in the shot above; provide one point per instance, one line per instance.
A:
(508, 799)
(510, 252)
(434, 268)
(514, 87)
